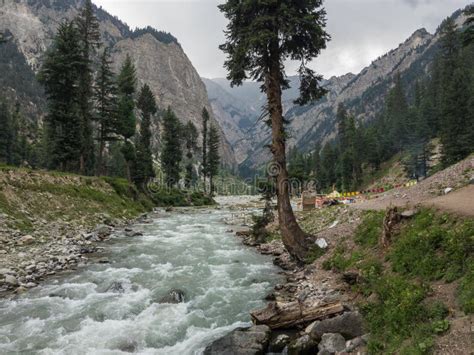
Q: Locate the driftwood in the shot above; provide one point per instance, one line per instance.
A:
(288, 314)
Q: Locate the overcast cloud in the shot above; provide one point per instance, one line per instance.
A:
(361, 30)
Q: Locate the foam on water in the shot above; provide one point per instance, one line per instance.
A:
(80, 313)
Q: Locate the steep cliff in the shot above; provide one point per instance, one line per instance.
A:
(160, 60)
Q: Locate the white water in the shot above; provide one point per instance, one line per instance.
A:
(74, 314)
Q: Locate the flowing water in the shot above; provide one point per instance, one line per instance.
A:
(192, 251)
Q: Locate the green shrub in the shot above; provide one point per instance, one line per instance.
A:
(465, 290)
(432, 247)
(369, 230)
(340, 262)
(314, 253)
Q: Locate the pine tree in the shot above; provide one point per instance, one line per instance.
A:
(191, 136)
(127, 81)
(261, 36)
(7, 135)
(172, 154)
(213, 157)
(143, 171)
(88, 27)
(397, 112)
(106, 102)
(60, 75)
(205, 167)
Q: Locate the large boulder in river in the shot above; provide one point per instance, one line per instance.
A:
(173, 296)
(242, 341)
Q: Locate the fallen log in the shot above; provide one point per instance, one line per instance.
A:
(288, 314)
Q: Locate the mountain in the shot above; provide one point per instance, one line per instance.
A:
(362, 94)
(158, 56)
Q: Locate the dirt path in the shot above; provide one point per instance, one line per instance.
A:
(431, 192)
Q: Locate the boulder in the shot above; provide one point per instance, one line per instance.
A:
(11, 280)
(242, 341)
(173, 296)
(304, 345)
(349, 324)
(355, 343)
(115, 287)
(332, 343)
(102, 231)
(279, 343)
(408, 213)
(26, 240)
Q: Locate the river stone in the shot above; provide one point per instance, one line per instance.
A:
(116, 287)
(173, 296)
(332, 343)
(11, 280)
(279, 343)
(242, 341)
(349, 325)
(304, 345)
(26, 240)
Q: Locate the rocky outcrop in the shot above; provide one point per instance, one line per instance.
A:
(160, 60)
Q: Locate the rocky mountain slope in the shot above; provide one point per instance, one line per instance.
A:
(160, 60)
(362, 94)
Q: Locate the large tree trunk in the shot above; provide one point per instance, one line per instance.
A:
(293, 236)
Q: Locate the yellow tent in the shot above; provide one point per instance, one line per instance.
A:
(334, 194)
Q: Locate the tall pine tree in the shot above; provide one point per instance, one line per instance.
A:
(127, 81)
(143, 170)
(213, 158)
(60, 75)
(88, 27)
(191, 136)
(172, 153)
(205, 167)
(261, 36)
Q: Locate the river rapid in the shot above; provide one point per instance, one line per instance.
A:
(191, 250)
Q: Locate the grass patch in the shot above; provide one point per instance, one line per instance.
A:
(341, 260)
(433, 247)
(369, 231)
(465, 292)
(314, 254)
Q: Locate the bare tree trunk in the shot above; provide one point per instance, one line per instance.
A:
(293, 236)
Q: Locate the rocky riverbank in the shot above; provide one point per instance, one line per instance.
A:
(341, 332)
(54, 248)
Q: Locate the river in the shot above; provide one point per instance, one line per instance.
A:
(193, 251)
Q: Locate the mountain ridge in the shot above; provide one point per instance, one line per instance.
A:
(162, 62)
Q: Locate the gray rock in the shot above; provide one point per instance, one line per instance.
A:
(103, 260)
(304, 345)
(355, 343)
(279, 343)
(408, 213)
(242, 341)
(11, 280)
(173, 296)
(116, 287)
(332, 343)
(26, 240)
(103, 231)
(7, 272)
(349, 324)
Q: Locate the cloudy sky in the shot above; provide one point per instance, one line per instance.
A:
(361, 30)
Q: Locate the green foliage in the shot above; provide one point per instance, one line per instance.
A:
(399, 314)
(314, 254)
(205, 129)
(465, 291)
(143, 169)
(341, 260)
(369, 230)
(433, 246)
(60, 75)
(172, 153)
(213, 155)
(106, 116)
